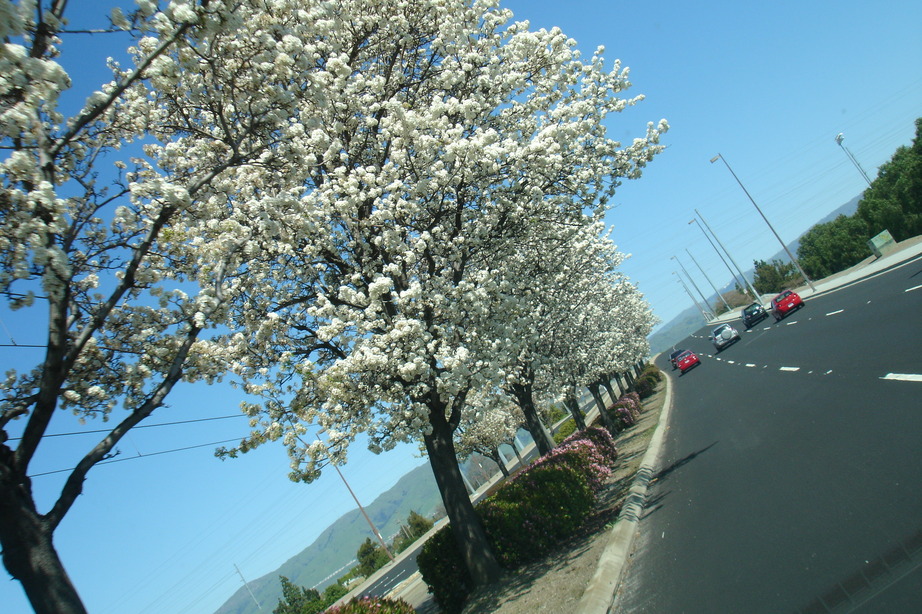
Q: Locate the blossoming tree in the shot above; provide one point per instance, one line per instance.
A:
(319, 200)
(95, 217)
(446, 142)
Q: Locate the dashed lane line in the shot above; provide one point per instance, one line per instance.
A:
(832, 313)
(904, 377)
(913, 288)
(789, 369)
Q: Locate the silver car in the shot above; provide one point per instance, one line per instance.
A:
(724, 335)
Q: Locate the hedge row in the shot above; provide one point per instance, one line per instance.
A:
(646, 382)
(373, 605)
(528, 516)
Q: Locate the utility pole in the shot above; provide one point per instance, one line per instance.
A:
(248, 587)
(374, 529)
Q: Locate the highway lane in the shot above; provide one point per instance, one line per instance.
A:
(783, 490)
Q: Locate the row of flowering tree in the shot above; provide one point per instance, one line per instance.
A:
(353, 218)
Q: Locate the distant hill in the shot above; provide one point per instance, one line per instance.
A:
(691, 319)
(335, 548)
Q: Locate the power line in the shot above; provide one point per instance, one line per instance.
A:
(118, 460)
(140, 426)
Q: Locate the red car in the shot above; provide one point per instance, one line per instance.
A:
(785, 303)
(686, 361)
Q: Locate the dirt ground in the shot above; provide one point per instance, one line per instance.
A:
(556, 584)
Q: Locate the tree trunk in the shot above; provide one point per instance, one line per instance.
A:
(630, 379)
(465, 523)
(28, 552)
(603, 412)
(621, 385)
(611, 393)
(498, 459)
(573, 405)
(543, 440)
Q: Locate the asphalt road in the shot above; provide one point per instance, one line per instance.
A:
(790, 479)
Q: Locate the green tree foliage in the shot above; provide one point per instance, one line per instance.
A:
(371, 557)
(894, 200)
(417, 525)
(775, 276)
(334, 592)
(834, 246)
(299, 600)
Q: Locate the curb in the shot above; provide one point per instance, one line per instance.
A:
(599, 595)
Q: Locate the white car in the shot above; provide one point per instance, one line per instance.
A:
(724, 335)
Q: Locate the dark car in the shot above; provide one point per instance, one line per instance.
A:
(753, 314)
(673, 356)
(785, 303)
(686, 361)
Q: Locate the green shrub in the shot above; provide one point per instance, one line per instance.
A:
(528, 516)
(653, 371)
(566, 429)
(531, 516)
(444, 572)
(374, 605)
(644, 386)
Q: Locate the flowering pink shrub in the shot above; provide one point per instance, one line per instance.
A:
(529, 516)
(373, 605)
(622, 416)
(602, 440)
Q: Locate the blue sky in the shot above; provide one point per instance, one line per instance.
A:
(767, 85)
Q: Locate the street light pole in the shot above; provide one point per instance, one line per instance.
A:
(700, 293)
(736, 280)
(716, 291)
(752, 290)
(694, 300)
(772, 228)
(841, 137)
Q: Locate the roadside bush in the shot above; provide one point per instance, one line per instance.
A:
(374, 605)
(622, 417)
(653, 371)
(602, 440)
(443, 570)
(533, 515)
(566, 429)
(644, 386)
(528, 516)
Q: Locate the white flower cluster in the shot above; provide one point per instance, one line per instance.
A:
(367, 222)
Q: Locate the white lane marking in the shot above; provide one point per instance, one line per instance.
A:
(730, 362)
(789, 369)
(905, 377)
(749, 364)
(828, 372)
(913, 288)
(832, 313)
(790, 323)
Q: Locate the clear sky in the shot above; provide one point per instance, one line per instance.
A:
(768, 85)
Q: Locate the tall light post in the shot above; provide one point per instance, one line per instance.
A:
(697, 289)
(736, 279)
(752, 290)
(841, 137)
(772, 228)
(716, 291)
(694, 300)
